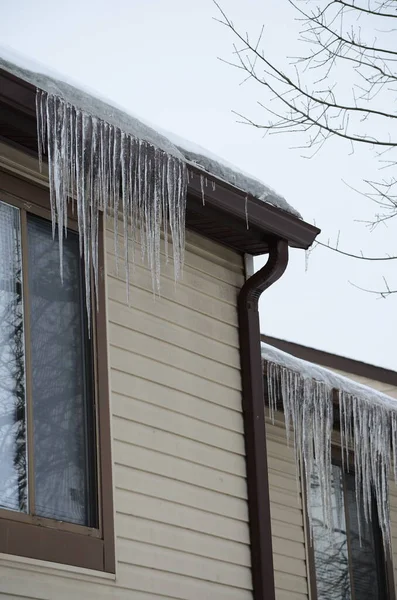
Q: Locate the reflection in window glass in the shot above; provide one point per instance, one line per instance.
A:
(13, 472)
(364, 552)
(330, 547)
(345, 558)
(62, 408)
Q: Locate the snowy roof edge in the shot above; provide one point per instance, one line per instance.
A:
(308, 370)
(178, 147)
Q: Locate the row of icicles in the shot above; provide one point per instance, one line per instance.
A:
(368, 432)
(100, 168)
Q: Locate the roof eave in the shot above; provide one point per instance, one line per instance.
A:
(254, 213)
(227, 214)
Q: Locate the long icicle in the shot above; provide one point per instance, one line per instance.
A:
(104, 168)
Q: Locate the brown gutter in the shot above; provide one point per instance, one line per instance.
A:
(261, 215)
(254, 419)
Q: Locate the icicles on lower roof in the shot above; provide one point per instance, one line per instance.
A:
(314, 400)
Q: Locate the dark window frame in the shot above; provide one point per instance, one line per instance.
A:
(386, 560)
(47, 539)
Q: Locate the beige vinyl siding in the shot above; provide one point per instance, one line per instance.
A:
(181, 496)
(181, 514)
(289, 553)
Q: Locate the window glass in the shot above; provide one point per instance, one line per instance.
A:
(363, 552)
(330, 547)
(345, 558)
(62, 398)
(13, 471)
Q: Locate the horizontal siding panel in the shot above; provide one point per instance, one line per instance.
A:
(121, 337)
(210, 254)
(176, 586)
(184, 540)
(390, 391)
(280, 451)
(182, 315)
(285, 498)
(154, 327)
(393, 491)
(385, 388)
(178, 433)
(278, 447)
(171, 376)
(130, 503)
(286, 515)
(180, 492)
(182, 563)
(290, 566)
(177, 293)
(126, 385)
(178, 469)
(288, 547)
(286, 531)
(49, 587)
(282, 466)
(282, 482)
(282, 595)
(191, 279)
(290, 583)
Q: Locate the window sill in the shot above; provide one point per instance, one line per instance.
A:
(54, 569)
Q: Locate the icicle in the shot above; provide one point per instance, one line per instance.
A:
(101, 167)
(368, 428)
(246, 211)
(39, 123)
(202, 189)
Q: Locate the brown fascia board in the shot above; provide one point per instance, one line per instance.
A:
(264, 220)
(262, 216)
(17, 93)
(333, 361)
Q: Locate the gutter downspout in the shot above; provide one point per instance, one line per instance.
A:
(254, 419)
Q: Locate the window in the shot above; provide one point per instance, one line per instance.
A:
(345, 566)
(55, 469)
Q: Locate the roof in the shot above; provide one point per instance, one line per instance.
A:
(315, 401)
(223, 203)
(333, 381)
(334, 361)
(42, 78)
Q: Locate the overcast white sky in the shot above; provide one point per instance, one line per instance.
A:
(158, 58)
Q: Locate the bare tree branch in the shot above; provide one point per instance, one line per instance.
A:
(295, 104)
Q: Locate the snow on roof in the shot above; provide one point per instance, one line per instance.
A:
(49, 81)
(308, 370)
(215, 165)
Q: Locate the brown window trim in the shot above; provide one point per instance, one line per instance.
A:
(46, 539)
(390, 593)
